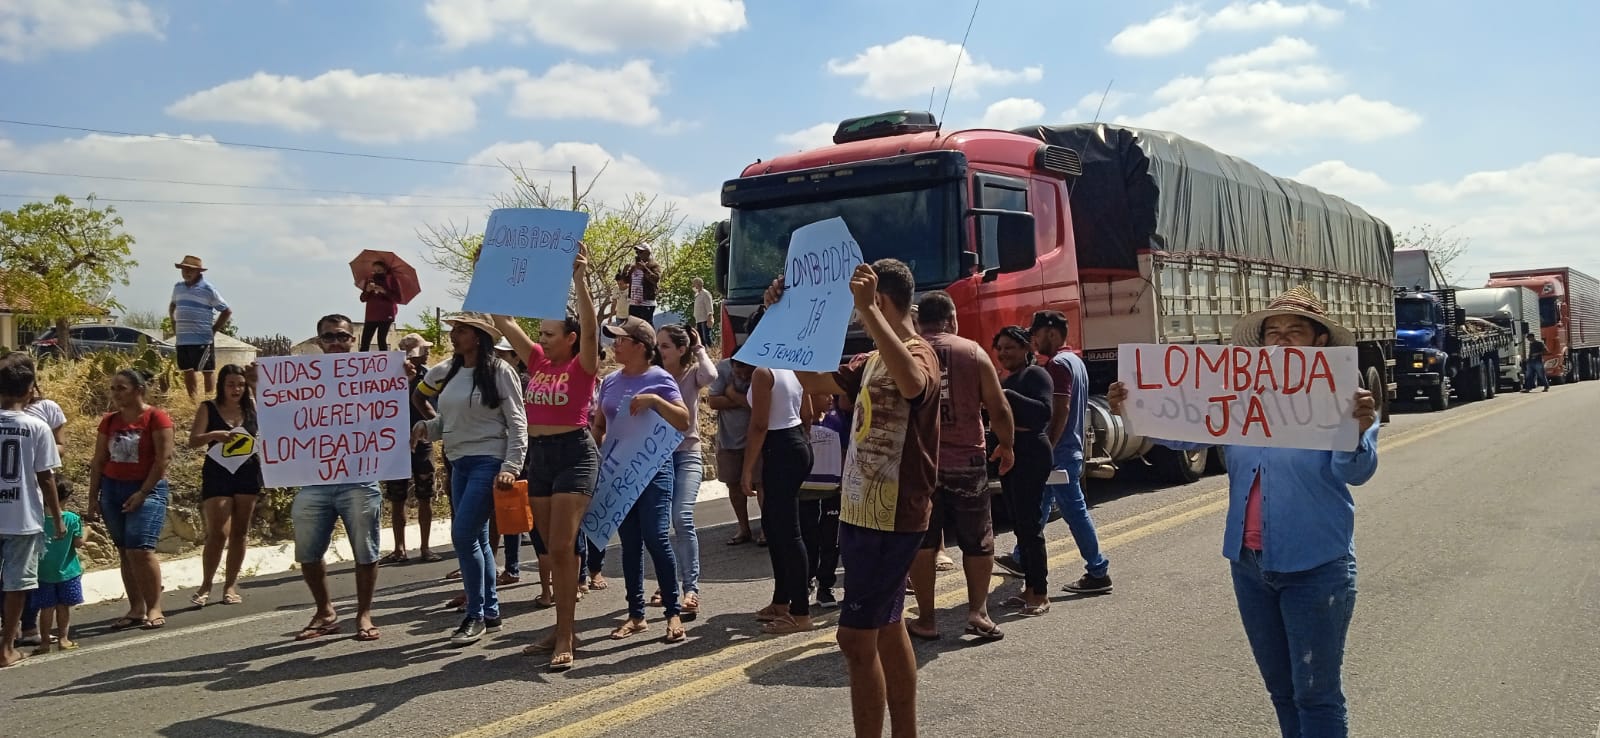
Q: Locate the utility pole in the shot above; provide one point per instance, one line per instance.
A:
(574, 187)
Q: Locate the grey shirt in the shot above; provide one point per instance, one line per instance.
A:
(731, 424)
(468, 427)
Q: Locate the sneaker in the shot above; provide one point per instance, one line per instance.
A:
(491, 624)
(1009, 565)
(825, 599)
(1088, 585)
(469, 632)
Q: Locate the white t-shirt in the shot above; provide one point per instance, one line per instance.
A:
(27, 449)
(49, 412)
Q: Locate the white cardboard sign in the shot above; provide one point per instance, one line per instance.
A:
(334, 419)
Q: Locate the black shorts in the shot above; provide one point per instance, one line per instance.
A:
(216, 481)
(199, 358)
(961, 512)
(421, 485)
(564, 462)
(876, 563)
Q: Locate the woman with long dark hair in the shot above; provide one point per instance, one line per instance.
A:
(1028, 389)
(562, 459)
(379, 292)
(777, 431)
(227, 499)
(485, 434)
(683, 356)
(642, 386)
(128, 488)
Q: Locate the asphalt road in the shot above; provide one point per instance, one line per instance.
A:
(1477, 616)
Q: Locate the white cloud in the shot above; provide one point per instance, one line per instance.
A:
(1171, 31)
(1176, 28)
(1549, 176)
(914, 65)
(570, 90)
(282, 264)
(1012, 112)
(813, 137)
(370, 108)
(591, 26)
(1338, 178)
(1247, 105)
(33, 28)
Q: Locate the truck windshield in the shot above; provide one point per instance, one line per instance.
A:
(915, 226)
(1413, 312)
(1549, 311)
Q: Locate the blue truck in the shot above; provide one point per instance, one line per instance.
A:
(1439, 352)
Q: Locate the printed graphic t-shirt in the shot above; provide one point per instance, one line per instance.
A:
(131, 447)
(892, 465)
(961, 445)
(26, 449)
(558, 394)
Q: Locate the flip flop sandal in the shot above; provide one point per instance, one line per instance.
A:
(506, 578)
(561, 662)
(312, 630)
(1033, 611)
(394, 557)
(154, 623)
(67, 645)
(232, 599)
(785, 625)
(992, 633)
(367, 634)
(431, 557)
(675, 635)
(739, 539)
(598, 582)
(627, 629)
(125, 622)
(200, 599)
(691, 604)
(924, 636)
(542, 602)
(1014, 602)
(655, 600)
(453, 575)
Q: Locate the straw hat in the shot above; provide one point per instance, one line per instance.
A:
(415, 345)
(191, 262)
(1299, 301)
(481, 322)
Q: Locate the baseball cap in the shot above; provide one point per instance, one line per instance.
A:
(633, 327)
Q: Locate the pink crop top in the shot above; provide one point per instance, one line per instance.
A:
(558, 394)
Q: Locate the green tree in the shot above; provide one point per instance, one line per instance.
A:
(62, 260)
(681, 262)
(149, 320)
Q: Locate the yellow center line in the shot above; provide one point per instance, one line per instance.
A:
(1164, 518)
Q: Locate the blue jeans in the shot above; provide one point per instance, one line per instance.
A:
(472, 492)
(317, 507)
(1533, 372)
(690, 470)
(513, 546)
(1075, 510)
(646, 527)
(1296, 623)
(139, 530)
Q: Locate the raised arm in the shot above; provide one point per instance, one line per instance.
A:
(908, 377)
(589, 340)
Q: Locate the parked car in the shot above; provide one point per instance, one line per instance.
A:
(89, 339)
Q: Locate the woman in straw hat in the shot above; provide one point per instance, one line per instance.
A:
(485, 432)
(1291, 535)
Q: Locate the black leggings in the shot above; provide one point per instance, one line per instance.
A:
(1024, 491)
(379, 327)
(785, 462)
(819, 526)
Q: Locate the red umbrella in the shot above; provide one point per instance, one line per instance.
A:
(405, 277)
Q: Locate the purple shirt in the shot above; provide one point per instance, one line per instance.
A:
(618, 389)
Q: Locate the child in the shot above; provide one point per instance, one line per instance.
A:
(60, 579)
(28, 458)
(819, 496)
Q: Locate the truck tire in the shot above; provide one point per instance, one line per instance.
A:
(1471, 388)
(1491, 379)
(1439, 399)
(1180, 467)
(1372, 381)
(1217, 463)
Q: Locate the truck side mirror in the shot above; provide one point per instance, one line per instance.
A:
(1015, 243)
(722, 234)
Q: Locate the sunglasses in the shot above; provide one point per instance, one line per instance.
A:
(340, 336)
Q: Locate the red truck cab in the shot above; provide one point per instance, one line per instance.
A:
(982, 214)
(1569, 317)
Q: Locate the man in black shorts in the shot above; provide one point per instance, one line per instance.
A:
(886, 491)
(420, 486)
(198, 313)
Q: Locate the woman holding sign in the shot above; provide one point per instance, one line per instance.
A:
(485, 434)
(641, 387)
(1290, 535)
(562, 458)
(227, 492)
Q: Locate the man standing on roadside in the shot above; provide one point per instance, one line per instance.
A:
(886, 491)
(702, 311)
(198, 313)
(317, 507)
(644, 277)
(1533, 369)
(968, 386)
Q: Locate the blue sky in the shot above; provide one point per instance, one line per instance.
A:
(1475, 116)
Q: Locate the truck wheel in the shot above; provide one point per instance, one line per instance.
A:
(1471, 388)
(1439, 398)
(1181, 467)
(1491, 379)
(1217, 463)
(1372, 382)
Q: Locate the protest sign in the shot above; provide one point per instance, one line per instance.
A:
(805, 330)
(333, 419)
(525, 265)
(1280, 396)
(635, 448)
(234, 452)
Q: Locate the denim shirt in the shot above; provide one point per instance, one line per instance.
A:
(1305, 496)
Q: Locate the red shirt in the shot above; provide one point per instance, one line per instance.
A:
(1252, 516)
(131, 447)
